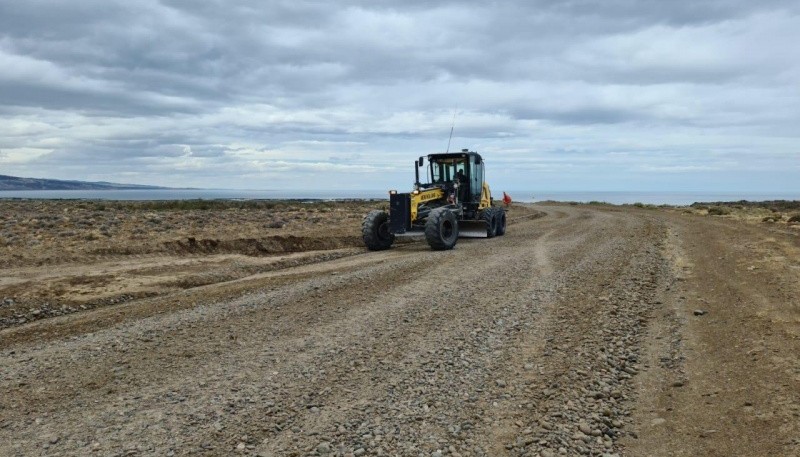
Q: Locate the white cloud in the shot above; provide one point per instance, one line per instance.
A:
(22, 155)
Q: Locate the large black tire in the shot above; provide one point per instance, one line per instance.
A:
(441, 229)
(375, 231)
(490, 217)
(501, 222)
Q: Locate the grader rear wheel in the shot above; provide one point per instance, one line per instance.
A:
(501, 222)
(490, 217)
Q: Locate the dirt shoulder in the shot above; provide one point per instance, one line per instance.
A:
(724, 374)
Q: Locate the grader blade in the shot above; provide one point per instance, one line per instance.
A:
(472, 229)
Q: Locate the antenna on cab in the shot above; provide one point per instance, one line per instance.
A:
(451, 130)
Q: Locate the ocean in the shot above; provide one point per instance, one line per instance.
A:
(528, 196)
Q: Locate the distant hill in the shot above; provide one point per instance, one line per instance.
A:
(15, 183)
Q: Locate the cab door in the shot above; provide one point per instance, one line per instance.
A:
(476, 179)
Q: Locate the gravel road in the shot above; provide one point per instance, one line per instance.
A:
(528, 344)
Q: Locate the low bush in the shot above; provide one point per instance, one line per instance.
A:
(205, 205)
(795, 219)
(718, 211)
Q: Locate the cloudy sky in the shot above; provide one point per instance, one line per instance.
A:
(557, 95)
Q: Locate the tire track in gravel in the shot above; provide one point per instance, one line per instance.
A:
(401, 352)
(580, 380)
(389, 390)
(97, 319)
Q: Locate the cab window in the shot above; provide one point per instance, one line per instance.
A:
(443, 171)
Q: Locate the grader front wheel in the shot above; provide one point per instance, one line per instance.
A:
(375, 231)
(441, 229)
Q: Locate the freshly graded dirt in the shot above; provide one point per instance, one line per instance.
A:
(66, 257)
(592, 330)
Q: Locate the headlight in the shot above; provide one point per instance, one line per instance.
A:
(392, 192)
(416, 192)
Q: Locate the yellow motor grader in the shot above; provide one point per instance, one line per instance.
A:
(454, 202)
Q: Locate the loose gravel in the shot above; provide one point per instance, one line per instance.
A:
(522, 345)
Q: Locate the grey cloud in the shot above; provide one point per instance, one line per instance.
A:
(119, 87)
(590, 115)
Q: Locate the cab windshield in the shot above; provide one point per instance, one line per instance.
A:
(445, 170)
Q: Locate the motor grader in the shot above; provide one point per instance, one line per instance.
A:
(453, 202)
